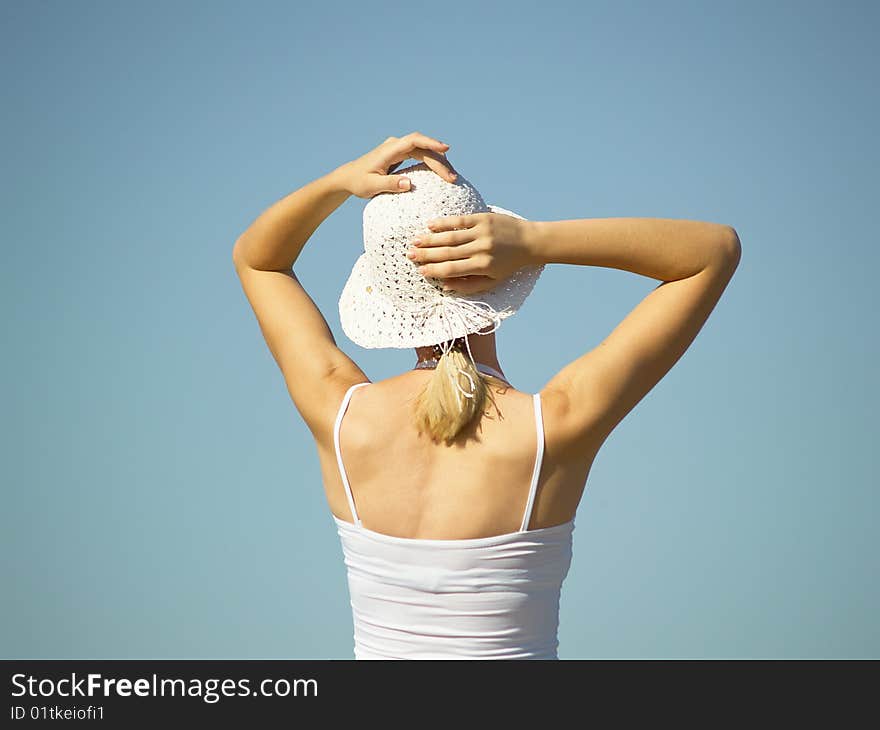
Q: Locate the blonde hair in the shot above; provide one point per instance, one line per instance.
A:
(441, 410)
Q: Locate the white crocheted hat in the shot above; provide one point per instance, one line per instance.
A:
(386, 302)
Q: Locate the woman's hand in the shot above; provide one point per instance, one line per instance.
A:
(473, 253)
(370, 174)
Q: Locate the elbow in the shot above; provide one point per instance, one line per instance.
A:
(237, 253)
(730, 246)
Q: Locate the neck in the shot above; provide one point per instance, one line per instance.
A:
(482, 348)
(485, 369)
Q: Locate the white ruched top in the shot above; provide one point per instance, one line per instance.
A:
(493, 597)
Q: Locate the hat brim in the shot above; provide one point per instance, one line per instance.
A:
(372, 320)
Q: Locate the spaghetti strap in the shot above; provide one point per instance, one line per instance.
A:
(539, 458)
(336, 428)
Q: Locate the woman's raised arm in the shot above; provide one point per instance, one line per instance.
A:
(694, 261)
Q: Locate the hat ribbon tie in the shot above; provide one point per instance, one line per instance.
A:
(459, 308)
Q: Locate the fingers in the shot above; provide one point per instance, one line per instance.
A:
(454, 268)
(417, 139)
(437, 162)
(394, 150)
(437, 254)
(447, 238)
(426, 149)
(391, 184)
(453, 222)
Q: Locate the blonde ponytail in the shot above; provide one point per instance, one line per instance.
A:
(441, 409)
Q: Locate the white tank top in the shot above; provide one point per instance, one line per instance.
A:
(491, 597)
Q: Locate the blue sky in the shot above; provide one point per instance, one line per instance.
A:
(162, 495)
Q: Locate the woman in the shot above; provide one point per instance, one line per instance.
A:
(454, 493)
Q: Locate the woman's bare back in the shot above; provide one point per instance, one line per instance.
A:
(406, 486)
